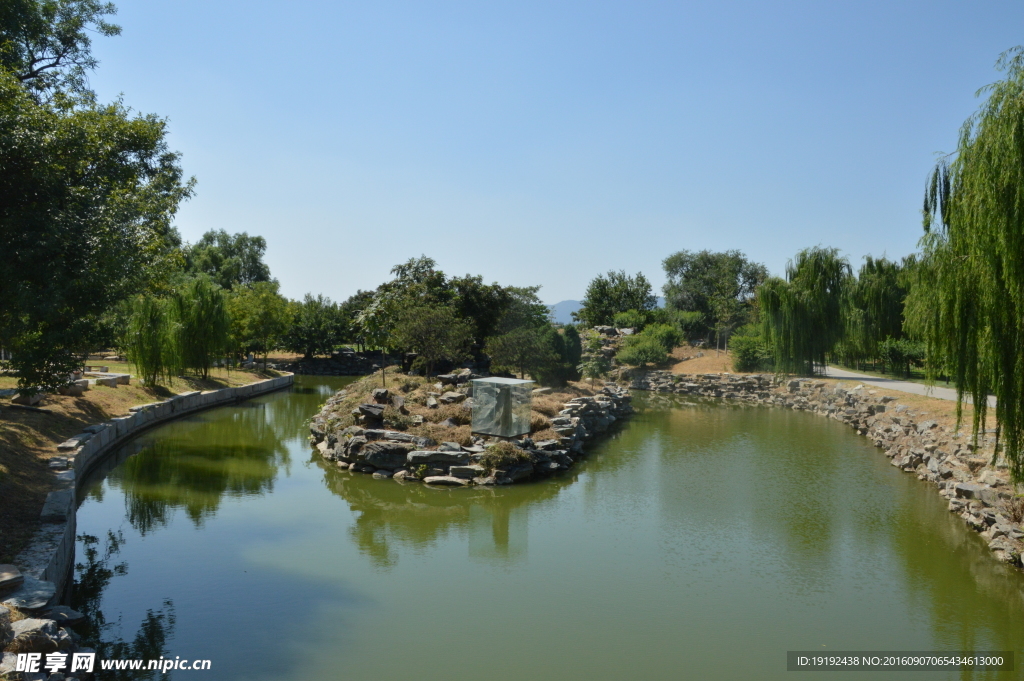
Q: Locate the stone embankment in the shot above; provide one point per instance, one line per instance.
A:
(487, 461)
(978, 491)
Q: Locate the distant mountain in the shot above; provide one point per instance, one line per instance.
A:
(562, 312)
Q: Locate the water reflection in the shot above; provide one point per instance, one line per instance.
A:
(391, 517)
(91, 580)
(196, 462)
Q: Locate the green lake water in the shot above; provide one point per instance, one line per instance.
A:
(700, 541)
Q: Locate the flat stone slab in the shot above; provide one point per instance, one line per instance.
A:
(34, 594)
(448, 480)
(436, 456)
(10, 578)
(58, 506)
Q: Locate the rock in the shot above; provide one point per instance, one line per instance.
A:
(381, 474)
(343, 465)
(431, 403)
(448, 480)
(37, 636)
(10, 578)
(968, 490)
(65, 616)
(467, 472)
(29, 401)
(403, 475)
(398, 402)
(34, 594)
(541, 391)
(384, 454)
(452, 398)
(380, 395)
(489, 480)
(449, 423)
(448, 379)
(449, 447)
(436, 456)
(372, 411)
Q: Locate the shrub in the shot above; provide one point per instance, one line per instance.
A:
(630, 319)
(503, 455)
(750, 353)
(642, 350)
(665, 334)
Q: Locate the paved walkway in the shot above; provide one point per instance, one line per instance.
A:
(903, 386)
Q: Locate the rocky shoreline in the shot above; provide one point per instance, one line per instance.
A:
(978, 491)
(486, 461)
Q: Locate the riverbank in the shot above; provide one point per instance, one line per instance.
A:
(917, 433)
(29, 439)
(418, 431)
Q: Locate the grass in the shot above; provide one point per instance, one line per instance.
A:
(686, 361)
(29, 438)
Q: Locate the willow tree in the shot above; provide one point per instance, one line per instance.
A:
(803, 316)
(148, 341)
(974, 220)
(202, 325)
(875, 311)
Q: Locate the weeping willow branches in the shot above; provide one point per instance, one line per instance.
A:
(973, 318)
(802, 317)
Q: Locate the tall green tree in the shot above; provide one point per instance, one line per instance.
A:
(875, 311)
(803, 316)
(612, 293)
(719, 286)
(316, 326)
(201, 324)
(87, 195)
(974, 251)
(435, 333)
(259, 317)
(228, 259)
(148, 341)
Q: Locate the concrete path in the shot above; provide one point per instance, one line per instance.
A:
(940, 392)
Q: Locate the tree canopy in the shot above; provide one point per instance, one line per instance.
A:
(612, 293)
(46, 44)
(803, 315)
(719, 286)
(228, 259)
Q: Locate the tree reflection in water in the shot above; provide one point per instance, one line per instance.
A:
(412, 515)
(194, 463)
(91, 579)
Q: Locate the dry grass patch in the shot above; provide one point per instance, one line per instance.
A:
(713, 362)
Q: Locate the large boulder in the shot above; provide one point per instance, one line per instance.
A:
(381, 395)
(387, 455)
(39, 636)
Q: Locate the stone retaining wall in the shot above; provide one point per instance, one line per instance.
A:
(50, 555)
(403, 457)
(977, 489)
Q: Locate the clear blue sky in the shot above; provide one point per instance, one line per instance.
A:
(546, 142)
